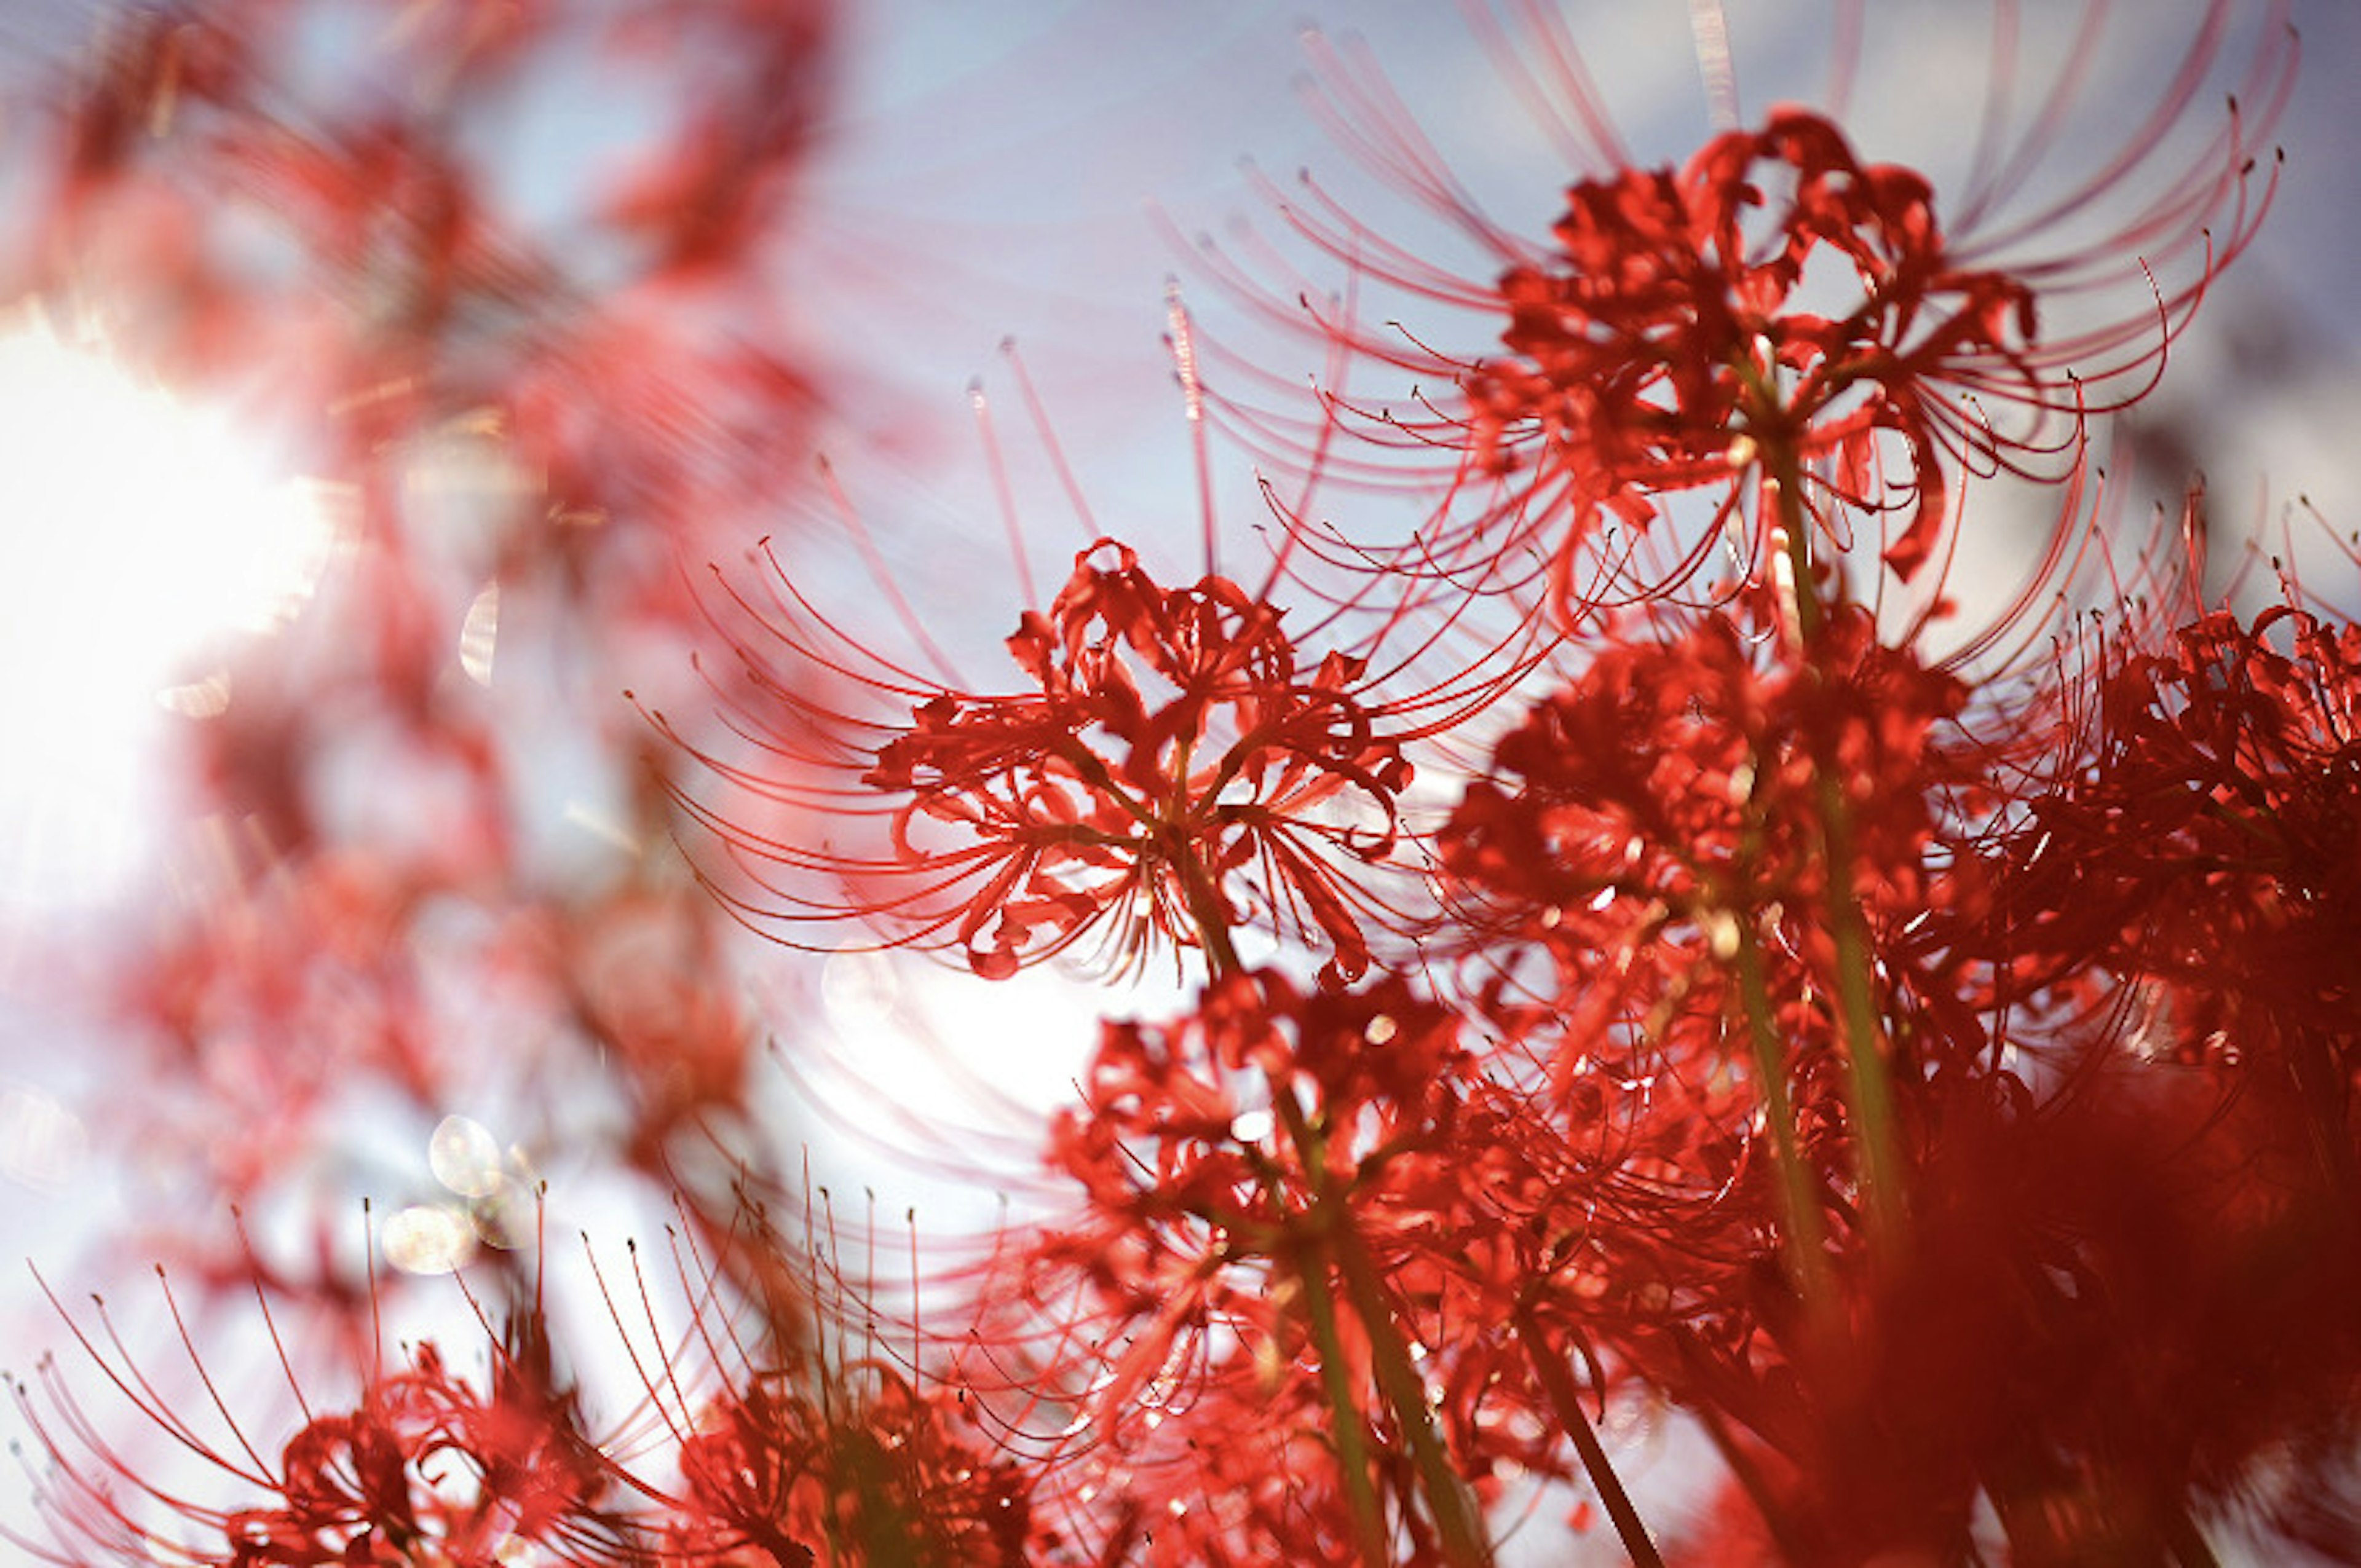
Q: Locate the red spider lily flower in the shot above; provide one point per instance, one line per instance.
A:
(2143, 1192)
(795, 1435)
(424, 1467)
(426, 1459)
(1182, 1124)
(1684, 1156)
(1662, 814)
(1176, 771)
(519, 413)
(2205, 859)
(2173, 1335)
(1665, 348)
(1087, 802)
(1272, 1194)
(353, 266)
(1779, 313)
(880, 1476)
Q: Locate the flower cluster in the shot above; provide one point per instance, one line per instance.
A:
(767, 1470)
(1741, 994)
(788, 1466)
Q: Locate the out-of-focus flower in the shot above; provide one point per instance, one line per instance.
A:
(418, 878)
(2207, 855)
(875, 1476)
(425, 1467)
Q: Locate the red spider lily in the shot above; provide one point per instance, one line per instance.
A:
(424, 1467)
(1665, 348)
(347, 264)
(1663, 816)
(2194, 862)
(790, 1434)
(1284, 1198)
(1779, 314)
(387, 1474)
(2126, 1306)
(522, 404)
(1698, 1155)
(2205, 853)
(1182, 1148)
(877, 1479)
(2180, 903)
(750, 1451)
(1089, 803)
(1961, 1136)
(1174, 773)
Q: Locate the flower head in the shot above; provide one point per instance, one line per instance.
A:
(880, 1478)
(424, 1466)
(1175, 769)
(1233, 1165)
(1172, 743)
(2205, 861)
(1667, 344)
(1778, 319)
(1663, 811)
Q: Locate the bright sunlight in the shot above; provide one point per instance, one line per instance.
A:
(135, 529)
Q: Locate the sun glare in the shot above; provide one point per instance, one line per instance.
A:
(135, 527)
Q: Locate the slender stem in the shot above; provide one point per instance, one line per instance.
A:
(1454, 1515)
(1557, 1384)
(1868, 1086)
(1806, 1231)
(1398, 1380)
(1205, 901)
(1345, 1410)
(1803, 595)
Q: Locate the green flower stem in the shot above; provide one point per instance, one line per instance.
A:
(1206, 912)
(1398, 1380)
(1312, 1265)
(1806, 1231)
(1566, 1399)
(1868, 1086)
(1455, 1514)
(1343, 1409)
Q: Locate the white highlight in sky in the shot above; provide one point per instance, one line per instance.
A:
(134, 527)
